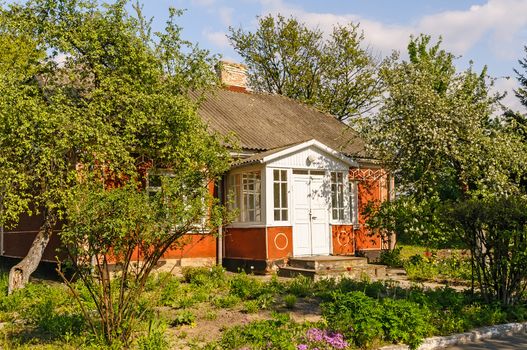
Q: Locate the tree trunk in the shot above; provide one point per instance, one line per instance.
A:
(19, 274)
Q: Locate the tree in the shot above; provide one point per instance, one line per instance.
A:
(495, 230)
(437, 132)
(118, 100)
(521, 92)
(334, 74)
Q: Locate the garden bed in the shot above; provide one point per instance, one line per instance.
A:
(211, 309)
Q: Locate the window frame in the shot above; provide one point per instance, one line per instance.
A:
(236, 201)
(338, 186)
(282, 195)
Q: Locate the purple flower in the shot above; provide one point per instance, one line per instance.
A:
(315, 334)
(302, 347)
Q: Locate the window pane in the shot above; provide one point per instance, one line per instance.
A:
(276, 193)
(277, 215)
(284, 215)
(284, 194)
(276, 175)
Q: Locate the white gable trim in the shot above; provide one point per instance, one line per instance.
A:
(311, 143)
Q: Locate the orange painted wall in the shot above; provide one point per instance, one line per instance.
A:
(370, 190)
(193, 246)
(279, 242)
(343, 238)
(245, 243)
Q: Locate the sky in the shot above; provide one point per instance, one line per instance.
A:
(486, 32)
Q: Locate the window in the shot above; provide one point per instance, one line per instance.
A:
(337, 196)
(280, 195)
(154, 186)
(245, 190)
(354, 202)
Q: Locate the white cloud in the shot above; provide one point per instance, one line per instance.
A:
(218, 38)
(509, 85)
(500, 20)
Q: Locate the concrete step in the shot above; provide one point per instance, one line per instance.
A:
(355, 272)
(321, 263)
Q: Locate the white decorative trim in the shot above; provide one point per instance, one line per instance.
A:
(309, 143)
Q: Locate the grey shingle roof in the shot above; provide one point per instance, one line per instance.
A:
(264, 122)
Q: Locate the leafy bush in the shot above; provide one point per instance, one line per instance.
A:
(406, 322)
(357, 316)
(367, 321)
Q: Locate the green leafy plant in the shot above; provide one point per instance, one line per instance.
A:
(155, 338)
(290, 301)
(184, 317)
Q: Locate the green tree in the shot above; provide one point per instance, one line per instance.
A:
(437, 132)
(96, 96)
(334, 74)
(521, 92)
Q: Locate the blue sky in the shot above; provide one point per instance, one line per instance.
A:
(488, 32)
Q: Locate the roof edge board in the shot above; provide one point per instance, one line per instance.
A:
(306, 144)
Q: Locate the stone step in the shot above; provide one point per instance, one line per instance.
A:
(321, 263)
(355, 272)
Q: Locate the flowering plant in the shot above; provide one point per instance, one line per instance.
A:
(318, 339)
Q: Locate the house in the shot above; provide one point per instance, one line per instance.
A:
(299, 184)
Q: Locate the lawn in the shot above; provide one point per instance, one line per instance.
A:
(212, 309)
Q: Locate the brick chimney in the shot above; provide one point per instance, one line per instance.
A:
(233, 75)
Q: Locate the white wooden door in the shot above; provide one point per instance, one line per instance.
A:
(311, 224)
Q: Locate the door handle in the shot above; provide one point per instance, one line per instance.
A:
(313, 217)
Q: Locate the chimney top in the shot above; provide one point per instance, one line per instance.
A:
(233, 75)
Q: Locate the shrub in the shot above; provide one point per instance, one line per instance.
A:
(405, 321)
(355, 315)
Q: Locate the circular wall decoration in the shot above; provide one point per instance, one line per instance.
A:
(343, 242)
(280, 243)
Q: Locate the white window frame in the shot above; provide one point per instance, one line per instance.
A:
(338, 188)
(281, 208)
(238, 201)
